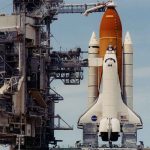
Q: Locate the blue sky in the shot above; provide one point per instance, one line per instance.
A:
(72, 30)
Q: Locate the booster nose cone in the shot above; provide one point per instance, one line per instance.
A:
(93, 41)
(127, 39)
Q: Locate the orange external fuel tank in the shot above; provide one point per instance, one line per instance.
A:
(111, 34)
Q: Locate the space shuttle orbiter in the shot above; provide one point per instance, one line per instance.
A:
(109, 112)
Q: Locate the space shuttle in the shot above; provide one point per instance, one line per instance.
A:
(110, 80)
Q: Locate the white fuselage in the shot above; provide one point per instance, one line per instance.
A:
(109, 88)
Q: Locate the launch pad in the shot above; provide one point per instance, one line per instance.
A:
(117, 148)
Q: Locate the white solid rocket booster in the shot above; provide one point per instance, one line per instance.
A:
(128, 71)
(93, 70)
